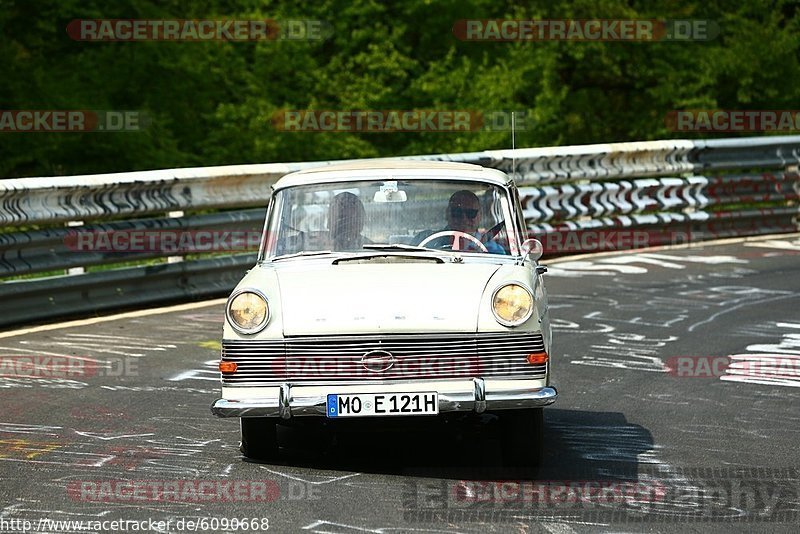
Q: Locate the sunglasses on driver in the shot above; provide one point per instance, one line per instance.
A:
(460, 212)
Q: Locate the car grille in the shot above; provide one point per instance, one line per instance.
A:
(339, 358)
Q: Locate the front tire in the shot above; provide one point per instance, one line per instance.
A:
(259, 438)
(523, 439)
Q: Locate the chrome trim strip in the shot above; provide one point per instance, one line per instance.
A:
(460, 401)
(415, 340)
(274, 383)
(256, 382)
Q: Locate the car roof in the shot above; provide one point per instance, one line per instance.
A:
(388, 169)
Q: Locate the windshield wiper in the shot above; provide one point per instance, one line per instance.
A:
(398, 246)
(302, 253)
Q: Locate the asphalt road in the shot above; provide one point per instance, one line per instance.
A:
(678, 410)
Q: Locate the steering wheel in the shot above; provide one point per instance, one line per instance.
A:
(491, 232)
(454, 233)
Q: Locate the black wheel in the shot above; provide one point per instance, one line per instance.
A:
(259, 438)
(523, 440)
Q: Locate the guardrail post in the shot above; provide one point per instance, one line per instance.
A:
(75, 270)
(795, 169)
(175, 215)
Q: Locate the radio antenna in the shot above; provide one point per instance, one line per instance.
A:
(513, 147)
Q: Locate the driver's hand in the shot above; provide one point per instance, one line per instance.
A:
(463, 244)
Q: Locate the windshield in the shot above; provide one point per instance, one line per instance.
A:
(369, 215)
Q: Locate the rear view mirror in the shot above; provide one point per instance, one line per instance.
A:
(389, 196)
(389, 193)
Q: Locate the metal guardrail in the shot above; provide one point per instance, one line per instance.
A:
(107, 196)
(662, 188)
(61, 248)
(26, 301)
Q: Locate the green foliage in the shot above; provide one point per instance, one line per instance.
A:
(212, 103)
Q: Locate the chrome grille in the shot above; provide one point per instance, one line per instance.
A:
(416, 356)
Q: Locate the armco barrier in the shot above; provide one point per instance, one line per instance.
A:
(674, 190)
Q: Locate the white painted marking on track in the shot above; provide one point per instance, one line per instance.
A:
(708, 260)
(109, 437)
(66, 459)
(783, 244)
(14, 428)
(150, 389)
(787, 295)
(789, 345)
(344, 528)
(642, 258)
(19, 508)
(577, 268)
(762, 381)
(103, 346)
(211, 369)
(628, 351)
(10, 508)
(558, 528)
(196, 375)
(770, 364)
(45, 353)
(137, 340)
(88, 347)
(315, 483)
(604, 265)
(690, 246)
(115, 317)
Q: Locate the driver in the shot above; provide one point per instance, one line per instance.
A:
(463, 215)
(346, 221)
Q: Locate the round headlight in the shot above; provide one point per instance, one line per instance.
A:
(248, 311)
(512, 305)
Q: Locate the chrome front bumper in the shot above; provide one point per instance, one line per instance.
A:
(303, 400)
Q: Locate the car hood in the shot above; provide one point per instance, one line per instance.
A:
(409, 297)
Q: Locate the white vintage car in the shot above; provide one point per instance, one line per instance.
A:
(391, 289)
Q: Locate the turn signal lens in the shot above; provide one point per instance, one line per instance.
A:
(537, 358)
(227, 367)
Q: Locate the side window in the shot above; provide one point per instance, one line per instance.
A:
(519, 217)
(493, 219)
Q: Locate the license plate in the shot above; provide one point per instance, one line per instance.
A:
(381, 404)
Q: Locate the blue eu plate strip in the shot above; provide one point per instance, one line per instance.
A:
(333, 405)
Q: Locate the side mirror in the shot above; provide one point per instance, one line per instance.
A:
(533, 249)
